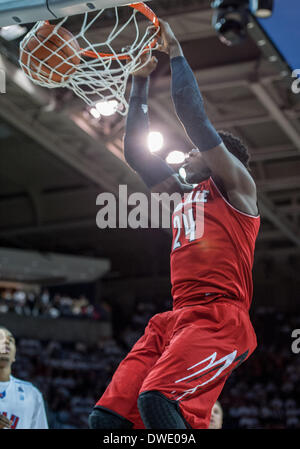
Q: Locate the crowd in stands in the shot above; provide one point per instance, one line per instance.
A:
(44, 304)
(264, 392)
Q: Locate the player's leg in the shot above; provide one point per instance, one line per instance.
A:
(101, 418)
(159, 412)
(117, 408)
(208, 342)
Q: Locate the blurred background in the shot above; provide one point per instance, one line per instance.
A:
(77, 297)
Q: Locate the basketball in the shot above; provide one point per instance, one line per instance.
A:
(50, 56)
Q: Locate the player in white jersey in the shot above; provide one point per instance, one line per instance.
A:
(21, 404)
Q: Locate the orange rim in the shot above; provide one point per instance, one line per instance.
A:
(143, 9)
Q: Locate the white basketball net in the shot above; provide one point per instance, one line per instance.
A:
(94, 79)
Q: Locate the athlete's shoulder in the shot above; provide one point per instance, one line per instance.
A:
(20, 381)
(26, 385)
(235, 211)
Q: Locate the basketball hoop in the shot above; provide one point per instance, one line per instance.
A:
(94, 71)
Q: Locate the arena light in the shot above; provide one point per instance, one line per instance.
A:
(262, 8)
(107, 107)
(155, 141)
(12, 32)
(95, 113)
(175, 157)
(182, 173)
(230, 20)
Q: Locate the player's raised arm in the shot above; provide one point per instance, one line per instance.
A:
(189, 105)
(155, 172)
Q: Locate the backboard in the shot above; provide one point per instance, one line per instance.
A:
(14, 12)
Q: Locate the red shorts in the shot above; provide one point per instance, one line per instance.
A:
(186, 354)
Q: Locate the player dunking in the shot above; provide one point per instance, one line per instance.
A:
(175, 372)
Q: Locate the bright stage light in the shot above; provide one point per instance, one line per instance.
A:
(155, 141)
(107, 107)
(182, 173)
(95, 113)
(12, 32)
(175, 157)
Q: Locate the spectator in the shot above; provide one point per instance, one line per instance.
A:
(23, 303)
(216, 419)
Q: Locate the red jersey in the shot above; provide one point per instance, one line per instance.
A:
(213, 248)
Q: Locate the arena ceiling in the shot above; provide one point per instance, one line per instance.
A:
(56, 159)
